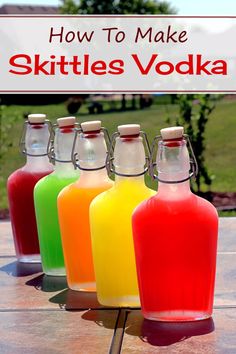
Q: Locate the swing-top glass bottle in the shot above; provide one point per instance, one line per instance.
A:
(20, 186)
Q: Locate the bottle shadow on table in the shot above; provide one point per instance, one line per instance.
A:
(48, 283)
(106, 318)
(167, 333)
(77, 300)
(82, 301)
(18, 269)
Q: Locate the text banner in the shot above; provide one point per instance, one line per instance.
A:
(96, 54)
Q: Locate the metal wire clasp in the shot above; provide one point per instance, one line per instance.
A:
(193, 162)
(110, 158)
(22, 146)
(75, 155)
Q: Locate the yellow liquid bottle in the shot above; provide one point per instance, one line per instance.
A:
(110, 221)
(73, 207)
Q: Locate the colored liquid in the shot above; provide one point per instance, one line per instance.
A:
(73, 207)
(45, 194)
(21, 203)
(175, 245)
(113, 250)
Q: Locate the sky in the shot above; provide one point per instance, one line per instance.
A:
(184, 7)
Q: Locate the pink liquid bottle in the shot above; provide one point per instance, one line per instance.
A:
(175, 237)
(21, 184)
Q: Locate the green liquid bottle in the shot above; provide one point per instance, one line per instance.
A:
(45, 198)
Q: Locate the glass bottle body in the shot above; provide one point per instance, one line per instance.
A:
(45, 198)
(110, 218)
(113, 250)
(73, 207)
(175, 238)
(20, 188)
(75, 228)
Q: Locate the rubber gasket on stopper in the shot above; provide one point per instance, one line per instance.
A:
(36, 118)
(129, 129)
(65, 121)
(92, 126)
(172, 133)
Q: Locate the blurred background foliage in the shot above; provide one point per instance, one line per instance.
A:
(212, 139)
(219, 133)
(114, 7)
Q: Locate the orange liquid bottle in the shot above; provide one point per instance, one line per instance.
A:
(73, 207)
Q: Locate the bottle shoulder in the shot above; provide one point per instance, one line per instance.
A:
(24, 176)
(126, 196)
(67, 192)
(100, 199)
(77, 191)
(205, 205)
(14, 174)
(53, 182)
(191, 205)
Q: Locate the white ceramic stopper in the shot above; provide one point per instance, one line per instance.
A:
(36, 118)
(91, 126)
(65, 121)
(172, 133)
(129, 129)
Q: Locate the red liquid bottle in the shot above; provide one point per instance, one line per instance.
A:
(20, 188)
(175, 238)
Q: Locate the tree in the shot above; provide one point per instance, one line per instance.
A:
(69, 7)
(6, 125)
(194, 111)
(113, 7)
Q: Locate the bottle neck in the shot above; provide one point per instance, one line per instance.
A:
(61, 167)
(173, 166)
(129, 158)
(92, 152)
(36, 160)
(93, 178)
(63, 142)
(119, 179)
(36, 143)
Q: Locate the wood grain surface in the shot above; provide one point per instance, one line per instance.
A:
(40, 315)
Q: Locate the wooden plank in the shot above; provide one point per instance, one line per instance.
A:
(6, 240)
(56, 332)
(227, 241)
(225, 289)
(211, 336)
(24, 287)
(227, 232)
(77, 300)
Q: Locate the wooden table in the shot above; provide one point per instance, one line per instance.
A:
(39, 315)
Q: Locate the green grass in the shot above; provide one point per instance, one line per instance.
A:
(221, 146)
(220, 136)
(227, 213)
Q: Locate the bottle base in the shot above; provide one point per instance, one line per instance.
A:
(122, 301)
(55, 272)
(89, 287)
(29, 258)
(176, 316)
